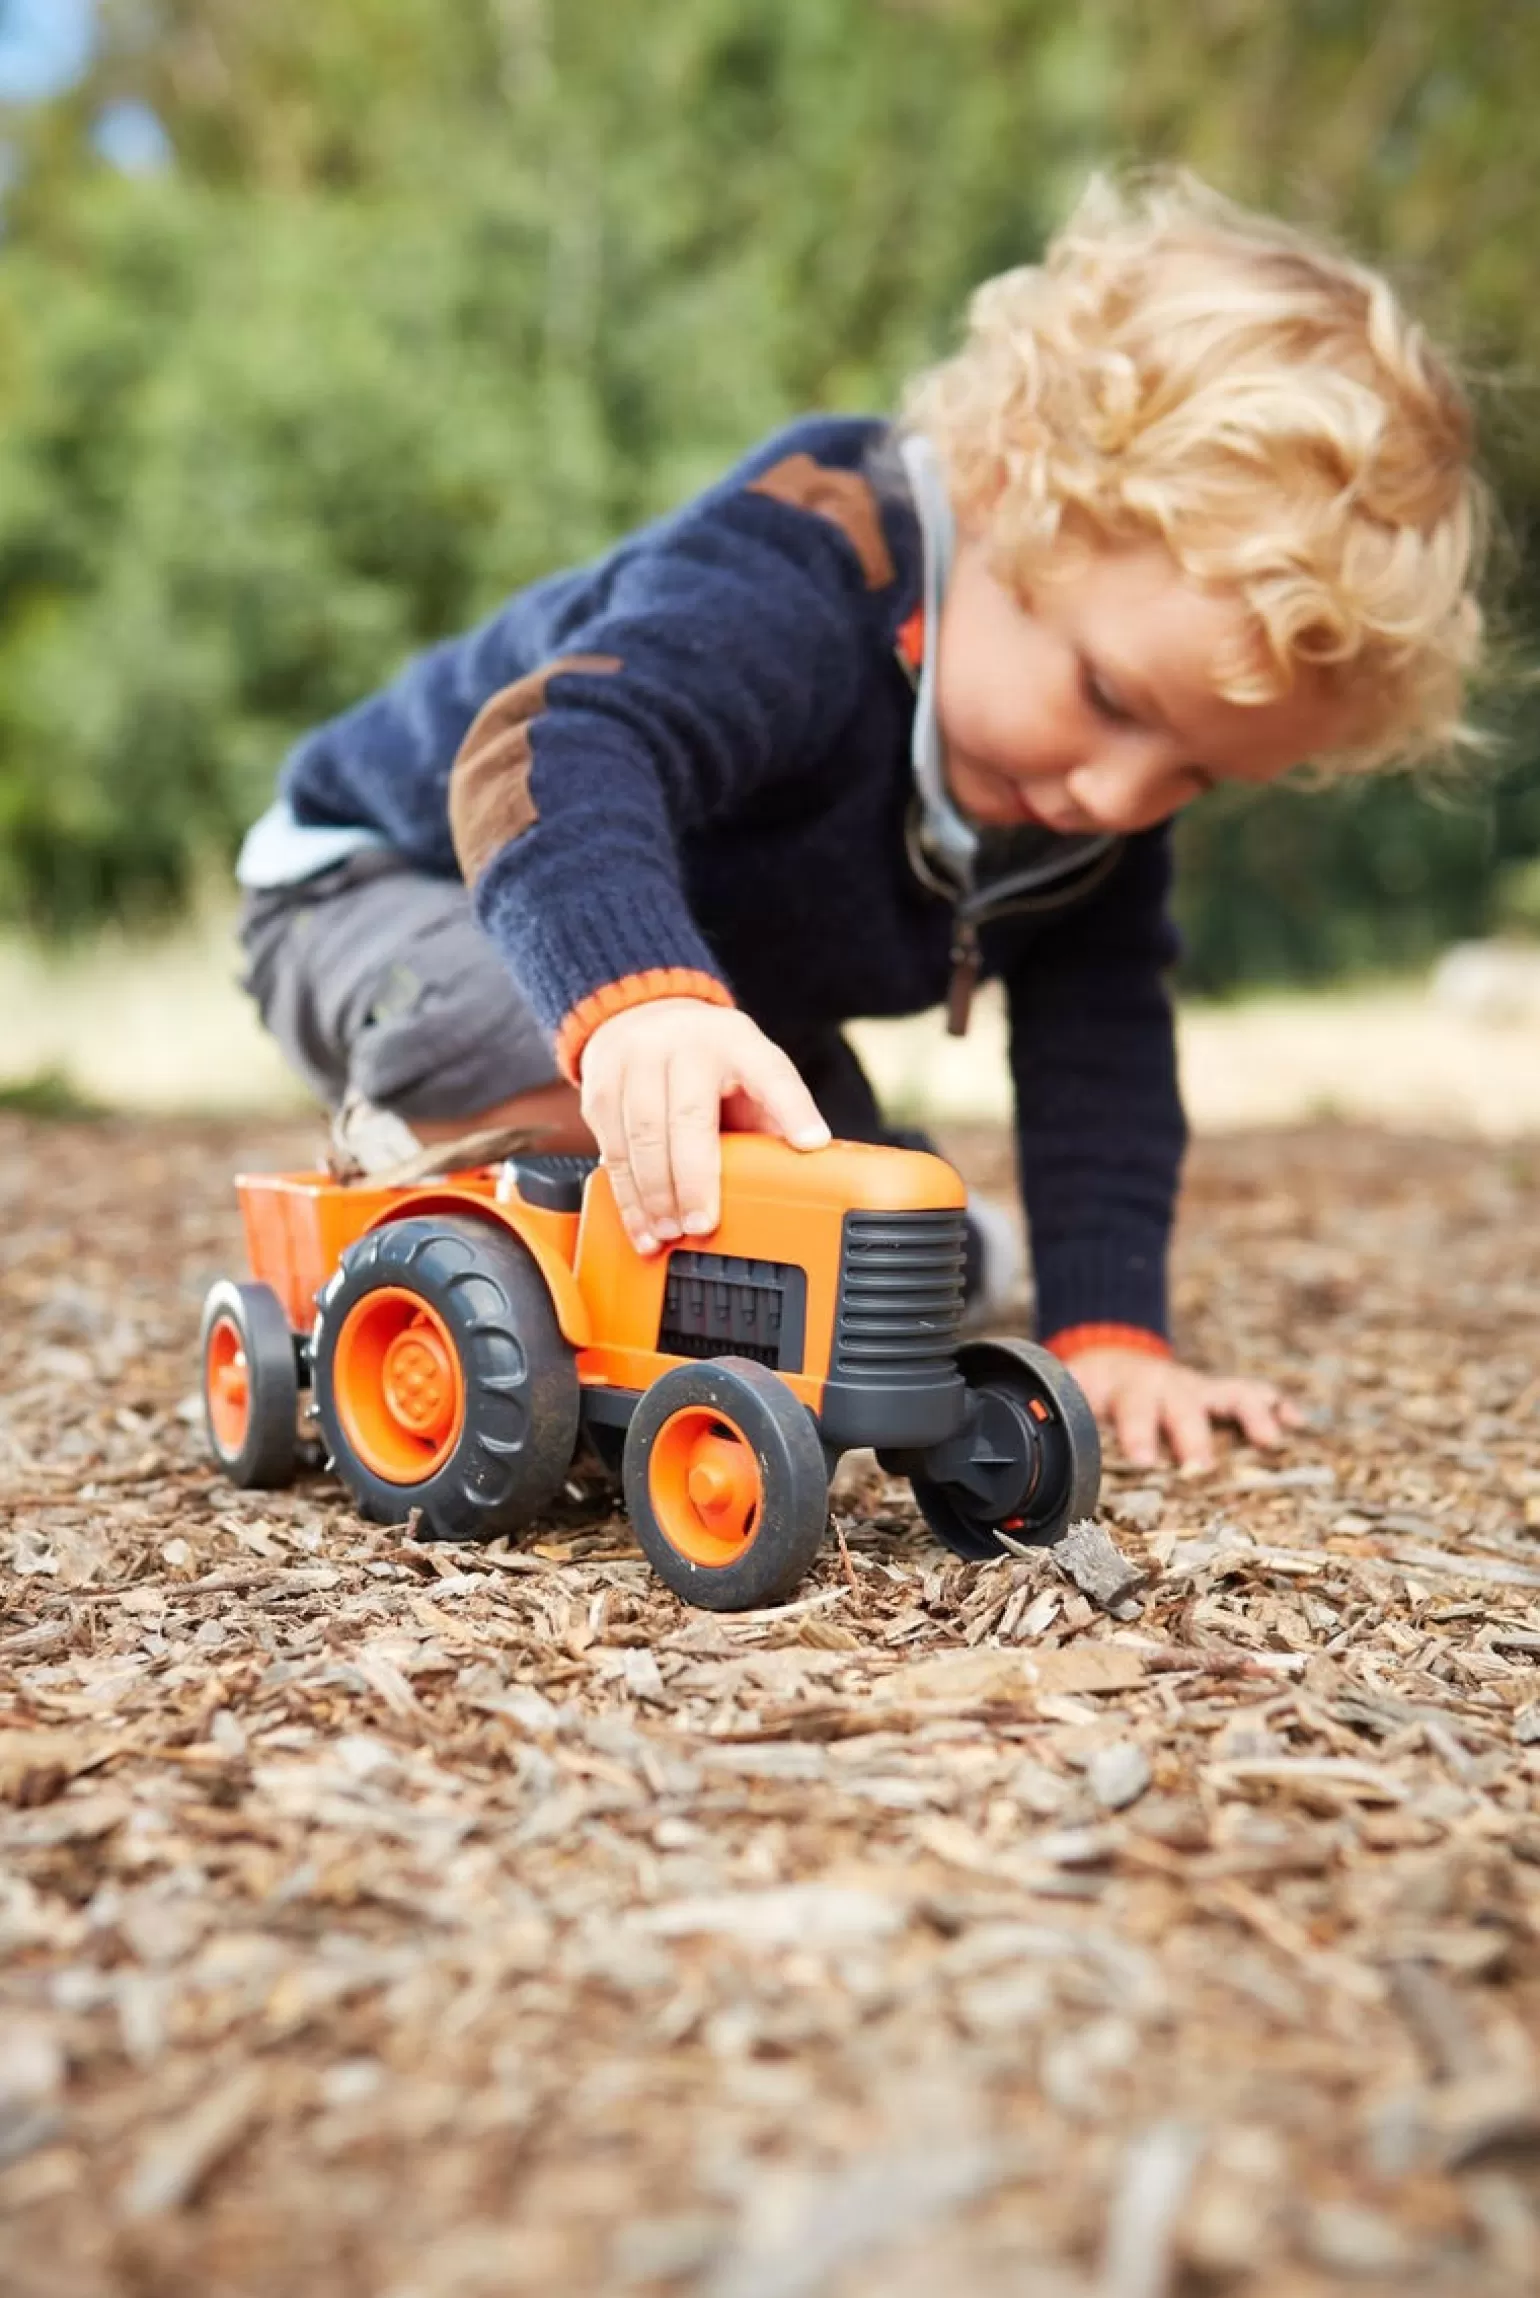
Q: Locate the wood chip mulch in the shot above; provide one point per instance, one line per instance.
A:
(420, 1922)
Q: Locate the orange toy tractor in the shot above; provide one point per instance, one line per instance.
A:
(459, 1337)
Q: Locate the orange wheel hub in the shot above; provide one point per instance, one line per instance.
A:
(399, 1390)
(227, 1384)
(705, 1486)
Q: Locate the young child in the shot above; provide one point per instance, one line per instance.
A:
(887, 709)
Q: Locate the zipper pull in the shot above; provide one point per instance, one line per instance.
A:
(965, 974)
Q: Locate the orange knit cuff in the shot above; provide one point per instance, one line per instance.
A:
(1076, 1339)
(618, 996)
(911, 638)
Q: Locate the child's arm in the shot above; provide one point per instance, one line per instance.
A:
(728, 658)
(1101, 1135)
(731, 657)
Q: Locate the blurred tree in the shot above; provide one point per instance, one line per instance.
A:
(433, 298)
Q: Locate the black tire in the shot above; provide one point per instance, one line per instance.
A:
(1035, 1418)
(250, 1375)
(510, 1446)
(758, 1559)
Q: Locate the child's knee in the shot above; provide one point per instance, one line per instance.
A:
(380, 983)
(425, 1055)
(445, 1034)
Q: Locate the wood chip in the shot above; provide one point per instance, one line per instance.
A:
(1338, 1775)
(1139, 2259)
(175, 2162)
(1090, 1556)
(1118, 1775)
(968, 1678)
(38, 1763)
(862, 2212)
(811, 1915)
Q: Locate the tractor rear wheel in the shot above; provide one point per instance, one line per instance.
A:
(250, 1384)
(442, 1380)
(1030, 1463)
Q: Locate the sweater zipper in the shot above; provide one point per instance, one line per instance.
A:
(966, 962)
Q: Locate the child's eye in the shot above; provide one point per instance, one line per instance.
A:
(1101, 697)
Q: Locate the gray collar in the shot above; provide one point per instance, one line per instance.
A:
(985, 872)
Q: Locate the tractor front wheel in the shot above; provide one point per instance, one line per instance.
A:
(726, 1484)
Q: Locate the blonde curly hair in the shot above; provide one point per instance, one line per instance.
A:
(1179, 367)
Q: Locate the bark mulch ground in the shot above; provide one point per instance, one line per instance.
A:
(451, 1923)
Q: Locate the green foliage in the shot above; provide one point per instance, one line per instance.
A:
(437, 298)
(230, 498)
(1366, 876)
(51, 1095)
(1518, 898)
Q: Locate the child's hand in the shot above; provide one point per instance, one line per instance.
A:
(654, 1082)
(1147, 1397)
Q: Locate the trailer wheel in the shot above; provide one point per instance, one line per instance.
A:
(726, 1484)
(442, 1380)
(1028, 1466)
(250, 1384)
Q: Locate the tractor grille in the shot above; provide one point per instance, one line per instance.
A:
(901, 1298)
(721, 1304)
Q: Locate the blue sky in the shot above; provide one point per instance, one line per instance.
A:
(44, 45)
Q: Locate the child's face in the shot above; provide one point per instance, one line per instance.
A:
(1094, 707)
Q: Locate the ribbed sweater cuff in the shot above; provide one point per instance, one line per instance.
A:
(565, 942)
(1102, 1281)
(601, 1005)
(1079, 1339)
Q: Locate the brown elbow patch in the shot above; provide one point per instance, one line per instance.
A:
(844, 498)
(490, 802)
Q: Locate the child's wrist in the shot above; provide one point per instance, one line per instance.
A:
(616, 997)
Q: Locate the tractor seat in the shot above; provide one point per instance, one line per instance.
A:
(550, 1178)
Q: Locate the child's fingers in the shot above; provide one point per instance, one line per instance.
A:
(694, 1132)
(1256, 1409)
(604, 1116)
(1137, 1421)
(649, 1152)
(628, 1204)
(741, 1113)
(1186, 1419)
(775, 1083)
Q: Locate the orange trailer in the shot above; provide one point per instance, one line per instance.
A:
(454, 1342)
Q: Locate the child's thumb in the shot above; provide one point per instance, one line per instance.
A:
(789, 1108)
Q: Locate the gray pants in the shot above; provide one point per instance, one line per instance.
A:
(376, 979)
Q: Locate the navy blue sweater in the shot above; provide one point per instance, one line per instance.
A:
(693, 755)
